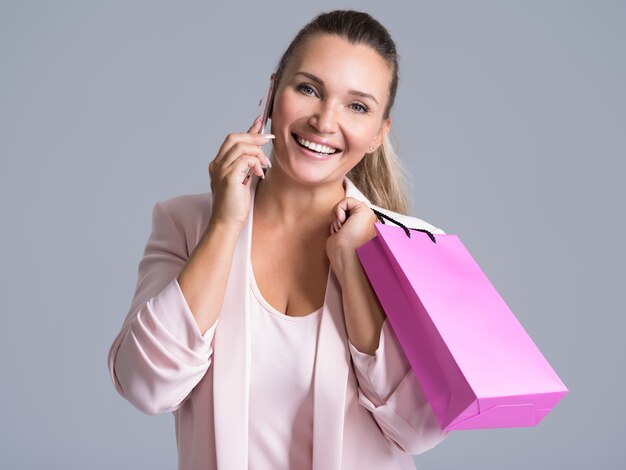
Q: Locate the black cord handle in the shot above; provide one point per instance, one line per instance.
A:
(407, 230)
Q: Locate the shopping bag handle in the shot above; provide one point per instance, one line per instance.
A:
(407, 230)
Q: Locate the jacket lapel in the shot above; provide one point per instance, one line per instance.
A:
(231, 365)
(330, 378)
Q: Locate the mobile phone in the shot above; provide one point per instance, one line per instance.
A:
(265, 106)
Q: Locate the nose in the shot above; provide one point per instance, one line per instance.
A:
(324, 119)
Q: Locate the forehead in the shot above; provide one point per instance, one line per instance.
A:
(339, 63)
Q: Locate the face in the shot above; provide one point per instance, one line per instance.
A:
(328, 109)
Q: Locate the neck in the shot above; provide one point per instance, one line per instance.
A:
(289, 204)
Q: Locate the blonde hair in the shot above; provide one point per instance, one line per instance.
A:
(379, 175)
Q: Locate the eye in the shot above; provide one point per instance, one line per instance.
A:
(307, 89)
(359, 107)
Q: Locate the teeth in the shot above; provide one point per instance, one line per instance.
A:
(315, 147)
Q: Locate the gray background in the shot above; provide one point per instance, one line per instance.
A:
(510, 116)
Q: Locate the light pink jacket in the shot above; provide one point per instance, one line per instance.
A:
(369, 411)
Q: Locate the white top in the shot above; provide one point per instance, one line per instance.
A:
(281, 392)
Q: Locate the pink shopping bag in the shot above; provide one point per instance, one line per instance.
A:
(476, 363)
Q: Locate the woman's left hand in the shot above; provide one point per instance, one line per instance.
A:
(351, 225)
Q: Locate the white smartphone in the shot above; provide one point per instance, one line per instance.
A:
(265, 105)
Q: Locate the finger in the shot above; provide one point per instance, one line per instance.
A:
(340, 211)
(232, 140)
(240, 168)
(245, 149)
(346, 207)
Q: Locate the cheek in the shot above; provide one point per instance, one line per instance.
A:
(278, 112)
(361, 136)
(286, 108)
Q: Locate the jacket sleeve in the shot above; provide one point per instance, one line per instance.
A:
(160, 355)
(389, 389)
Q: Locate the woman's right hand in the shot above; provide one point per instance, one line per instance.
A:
(238, 153)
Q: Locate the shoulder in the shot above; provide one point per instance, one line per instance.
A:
(188, 213)
(408, 221)
(187, 204)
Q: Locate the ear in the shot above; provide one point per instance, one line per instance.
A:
(382, 133)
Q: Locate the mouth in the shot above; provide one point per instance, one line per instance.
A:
(319, 149)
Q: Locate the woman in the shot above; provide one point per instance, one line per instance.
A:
(252, 319)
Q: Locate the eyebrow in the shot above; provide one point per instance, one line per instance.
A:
(352, 92)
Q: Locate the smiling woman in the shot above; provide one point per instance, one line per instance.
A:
(252, 319)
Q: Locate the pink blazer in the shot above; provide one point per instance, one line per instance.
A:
(369, 411)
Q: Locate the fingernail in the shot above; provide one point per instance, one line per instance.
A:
(268, 136)
(258, 118)
(269, 163)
